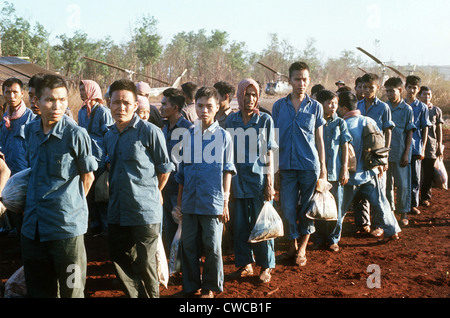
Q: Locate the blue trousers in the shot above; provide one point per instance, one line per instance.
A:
(295, 184)
(416, 165)
(207, 230)
(399, 177)
(169, 227)
(245, 215)
(381, 210)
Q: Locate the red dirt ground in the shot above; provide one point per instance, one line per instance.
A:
(416, 266)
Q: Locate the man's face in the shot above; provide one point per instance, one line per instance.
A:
(250, 99)
(206, 109)
(33, 106)
(52, 104)
(412, 90)
(394, 94)
(359, 90)
(300, 81)
(167, 109)
(123, 106)
(330, 107)
(143, 113)
(342, 110)
(13, 95)
(425, 97)
(370, 89)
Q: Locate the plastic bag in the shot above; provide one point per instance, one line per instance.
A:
(161, 263)
(323, 206)
(15, 286)
(14, 194)
(174, 258)
(440, 177)
(102, 187)
(268, 225)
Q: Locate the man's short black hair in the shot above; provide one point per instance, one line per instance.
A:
(424, 89)
(34, 79)
(316, 88)
(412, 80)
(225, 88)
(123, 85)
(175, 97)
(189, 89)
(10, 82)
(395, 82)
(49, 81)
(369, 78)
(358, 80)
(297, 66)
(324, 95)
(348, 99)
(208, 92)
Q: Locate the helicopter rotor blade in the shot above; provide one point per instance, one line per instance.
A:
(396, 71)
(363, 70)
(371, 56)
(124, 70)
(271, 69)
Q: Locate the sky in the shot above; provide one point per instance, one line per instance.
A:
(400, 32)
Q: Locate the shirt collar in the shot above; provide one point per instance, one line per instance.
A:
(57, 130)
(210, 130)
(253, 120)
(132, 124)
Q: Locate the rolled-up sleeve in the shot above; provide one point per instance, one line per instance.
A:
(159, 152)
(86, 162)
(228, 165)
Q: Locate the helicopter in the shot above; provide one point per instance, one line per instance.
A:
(384, 75)
(279, 87)
(155, 91)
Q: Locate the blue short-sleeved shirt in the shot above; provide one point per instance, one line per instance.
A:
(137, 155)
(56, 204)
(421, 120)
(206, 157)
(296, 131)
(356, 126)
(403, 117)
(379, 111)
(13, 143)
(335, 135)
(102, 119)
(249, 141)
(172, 139)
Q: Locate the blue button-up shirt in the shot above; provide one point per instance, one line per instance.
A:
(296, 131)
(403, 117)
(182, 124)
(379, 111)
(102, 119)
(13, 143)
(335, 135)
(421, 120)
(56, 206)
(206, 157)
(137, 155)
(356, 126)
(249, 180)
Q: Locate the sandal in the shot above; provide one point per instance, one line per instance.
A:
(244, 271)
(265, 276)
(378, 232)
(301, 260)
(394, 237)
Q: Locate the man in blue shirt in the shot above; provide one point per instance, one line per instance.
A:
(380, 112)
(365, 181)
(96, 119)
(399, 171)
(204, 176)
(56, 213)
(140, 167)
(420, 137)
(299, 120)
(175, 125)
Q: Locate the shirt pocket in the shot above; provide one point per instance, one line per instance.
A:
(305, 122)
(60, 165)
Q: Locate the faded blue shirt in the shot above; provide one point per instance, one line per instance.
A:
(206, 157)
(172, 139)
(13, 143)
(421, 120)
(403, 117)
(335, 135)
(102, 119)
(137, 155)
(251, 142)
(379, 111)
(56, 204)
(355, 127)
(296, 131)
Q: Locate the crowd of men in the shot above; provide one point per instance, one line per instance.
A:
(197, 158)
